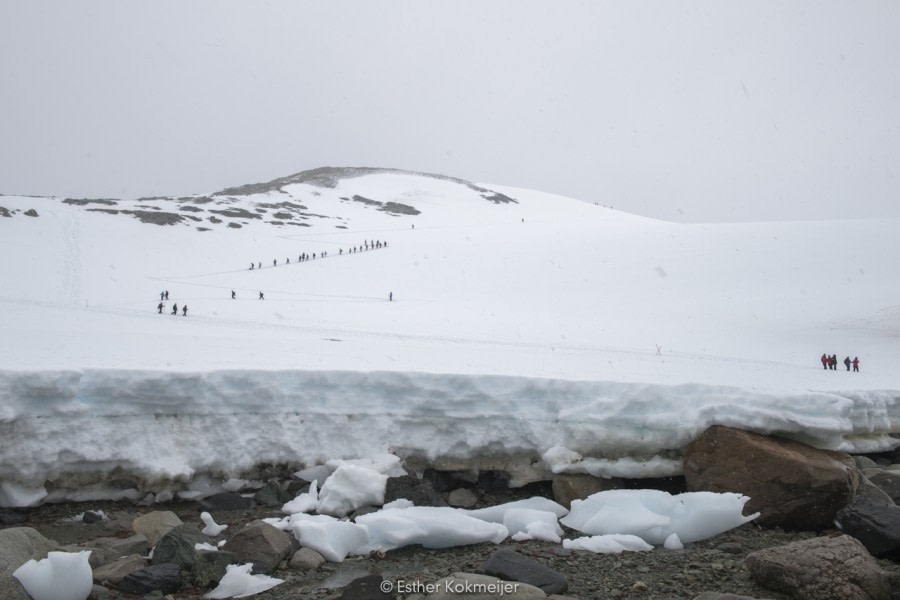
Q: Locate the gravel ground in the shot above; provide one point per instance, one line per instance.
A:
(715, 564)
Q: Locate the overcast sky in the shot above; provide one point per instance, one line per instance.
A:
(689, 111)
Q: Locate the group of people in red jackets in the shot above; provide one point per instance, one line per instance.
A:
(830, 362)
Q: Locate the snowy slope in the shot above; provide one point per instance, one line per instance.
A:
(519, 321)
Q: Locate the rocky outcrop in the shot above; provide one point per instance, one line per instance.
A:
(823, 568)
(792, 485)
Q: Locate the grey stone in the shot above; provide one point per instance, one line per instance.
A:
(226, 501)
(271, 495)
(576, 486)
(164, 577)
(462, 498)
(366, 588)
(306, 559)
(875, 524)
(113, 573)
(512, 566)
(420, 492)
(136, 544)
(869, 490)
(177, 546)
(156, 524)
(482, 587)
(823, 568)
(91, 517)
(98, 592)
(730, 548)
(209, 567)
(864, 462)
(261, 544)
(888, 482)
(98, 557)
(18, 545)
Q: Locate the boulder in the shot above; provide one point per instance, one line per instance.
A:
(462, 498)
(155, 524)
(177, 546)
(888, 482)
(512, 566)
(307, 559)
(834, 567)
(472, 586)
(261, 544)
(578, 486)
(225, 501)
(18, 545)
(420, 492)
(209, 567)
(792, 485)
(111, 574)
(875, 524)
(165, 577)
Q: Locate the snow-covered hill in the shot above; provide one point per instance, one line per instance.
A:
(519, 322)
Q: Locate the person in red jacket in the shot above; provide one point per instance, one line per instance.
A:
(856, 364)
(824, 360)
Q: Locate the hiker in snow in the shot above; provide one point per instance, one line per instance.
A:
(275, 262)
(834, 362)
(252, 265)
(160, 307)
(260, 265)
(288, 260)
(824, 360)
(184, 313)
(340, 251)
(261, 296)
(847, 363)
(167, 294)
(162, 296)
(391, 297)
(233, 295)
(175, 309)
(856, 364)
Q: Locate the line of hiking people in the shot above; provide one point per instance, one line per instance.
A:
(366, 245)
(830, 362)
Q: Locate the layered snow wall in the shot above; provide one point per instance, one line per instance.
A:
(94, 434)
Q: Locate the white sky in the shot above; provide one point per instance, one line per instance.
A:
(689, 111)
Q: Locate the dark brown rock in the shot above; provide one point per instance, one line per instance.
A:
(792, 485)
